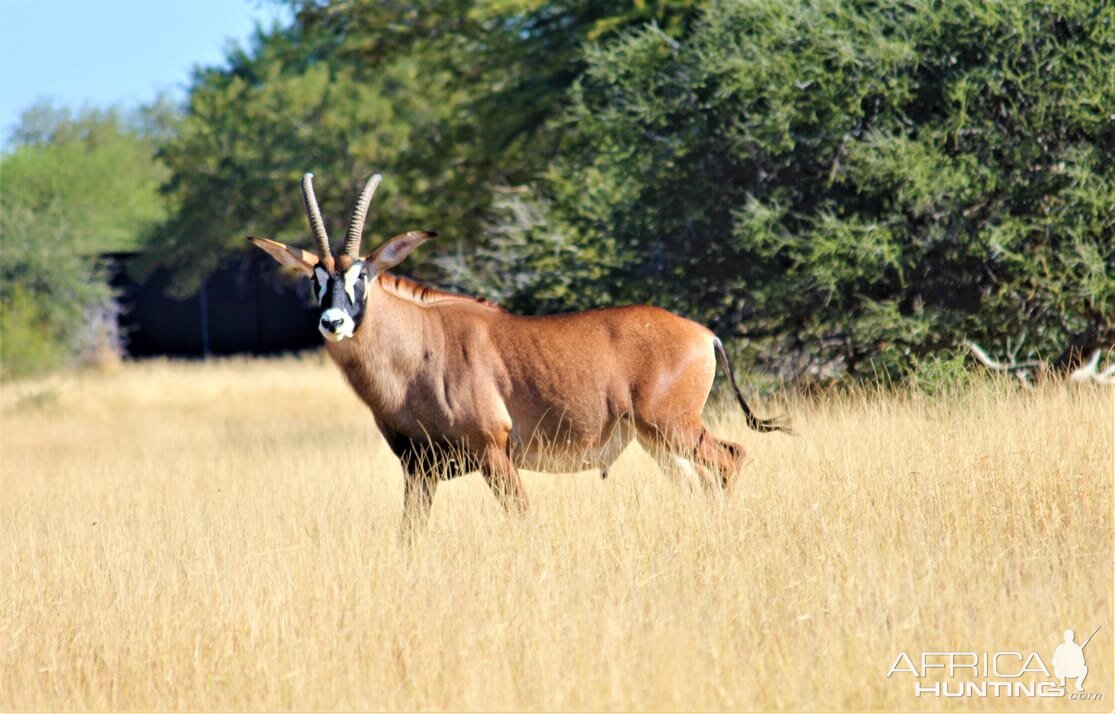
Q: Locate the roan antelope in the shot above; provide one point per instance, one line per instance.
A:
(456, 384)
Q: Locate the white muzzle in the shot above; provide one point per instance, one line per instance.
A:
(335, 325)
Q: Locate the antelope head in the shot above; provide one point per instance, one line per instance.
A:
(341, 283)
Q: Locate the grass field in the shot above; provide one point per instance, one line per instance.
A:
(223, 536)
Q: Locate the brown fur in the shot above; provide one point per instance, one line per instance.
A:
(423, 294)
(456, 384)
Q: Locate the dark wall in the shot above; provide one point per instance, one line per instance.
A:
(246, 306)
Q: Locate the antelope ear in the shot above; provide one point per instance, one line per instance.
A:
(296, 259)
(396, 250)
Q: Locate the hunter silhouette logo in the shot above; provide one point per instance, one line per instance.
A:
(1002, 673)
(1068, 660)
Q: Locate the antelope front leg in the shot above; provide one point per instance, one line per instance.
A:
(418, 497)
(503, 477)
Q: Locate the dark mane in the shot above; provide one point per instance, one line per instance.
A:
(416, 292)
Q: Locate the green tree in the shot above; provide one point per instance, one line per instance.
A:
(838, 186)
(96, 165)
(72, 186)
(447, 98)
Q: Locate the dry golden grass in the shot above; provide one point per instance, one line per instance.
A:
(223, 536)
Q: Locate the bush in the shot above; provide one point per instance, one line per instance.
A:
(74, 186)
(28, 344)
(48, 292)
(845, 187)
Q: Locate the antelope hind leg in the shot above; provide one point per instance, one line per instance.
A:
(725, 458)
(696, 455)
(676, 461)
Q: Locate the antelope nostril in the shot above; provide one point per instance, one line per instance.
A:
(331, 324)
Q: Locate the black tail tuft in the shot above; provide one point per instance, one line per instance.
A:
(754, 422)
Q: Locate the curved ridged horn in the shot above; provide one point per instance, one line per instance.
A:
(312, 210)
(359, 213)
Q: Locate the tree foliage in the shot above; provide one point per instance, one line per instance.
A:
(97, 166)
(834, 186)
(839, 186)
(447, 98)
(73, 187)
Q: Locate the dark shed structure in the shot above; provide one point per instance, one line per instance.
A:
(245, 306)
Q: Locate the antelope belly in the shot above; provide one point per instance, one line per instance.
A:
(569, 455)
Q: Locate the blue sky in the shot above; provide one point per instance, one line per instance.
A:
(102, 52)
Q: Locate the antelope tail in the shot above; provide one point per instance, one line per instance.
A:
(762, 425)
